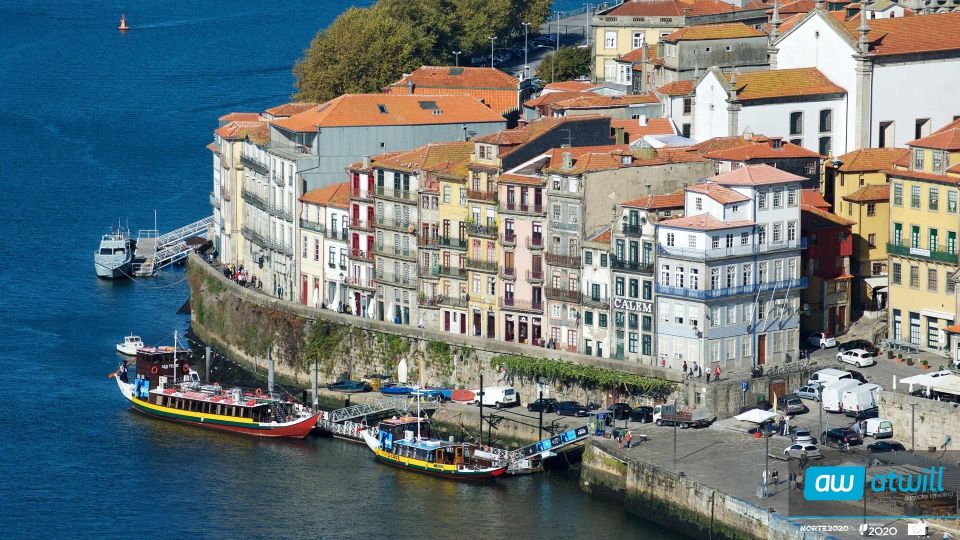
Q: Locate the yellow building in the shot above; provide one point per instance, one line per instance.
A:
(869, 209)
(924, 223)
(846, 174)
(450, 297)
(482, 234)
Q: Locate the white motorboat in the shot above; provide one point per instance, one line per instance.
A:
(131, 344)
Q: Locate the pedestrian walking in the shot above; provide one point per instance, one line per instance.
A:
(804, 459)
(716, 373)
(708, 376)
(694, 370)
(629, 438)
(775, 475)
(684, 367)
(792, 478)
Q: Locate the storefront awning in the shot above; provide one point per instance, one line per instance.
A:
(876, 282)
(931, 314)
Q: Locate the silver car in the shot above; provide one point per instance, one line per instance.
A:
(802, 436)
(794, 451)
(810, 391)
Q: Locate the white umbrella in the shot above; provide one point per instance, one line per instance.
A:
(371, 308)
(756, 416)
(336, 298)
(316, 297)
(391, 313)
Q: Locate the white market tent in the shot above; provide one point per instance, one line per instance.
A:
(756, 416)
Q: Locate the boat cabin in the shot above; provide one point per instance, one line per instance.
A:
(154, 365)
(432, 451)
(232, 404)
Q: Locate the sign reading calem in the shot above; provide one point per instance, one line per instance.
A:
(633, 305)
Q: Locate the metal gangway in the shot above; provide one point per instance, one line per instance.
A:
(156, 251)
(348, 422)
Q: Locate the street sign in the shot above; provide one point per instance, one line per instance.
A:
(744, 385)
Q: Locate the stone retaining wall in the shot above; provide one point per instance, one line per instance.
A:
(933, 421)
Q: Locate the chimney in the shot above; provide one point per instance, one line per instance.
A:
(643, 119)
(410, 86)
(567, 160)
(366, 162)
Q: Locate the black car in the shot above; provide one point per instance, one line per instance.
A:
(841, 434)
(570, 408)
(872, 412)
(859, 344)
(621, 411)
(857, 376)
(886, 446)
(642, 414)
(543, 404)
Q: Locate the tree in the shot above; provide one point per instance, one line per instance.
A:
(571, 62)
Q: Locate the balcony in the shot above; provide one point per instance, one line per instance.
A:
(360, 254)
(361, 194)
(535, 276)
(254, 200)
(342, 234)
(254, 164)
(444, 301)
(455, 243)
(522, 208)
(361, 224)
(737, 250)
(484, 196)
(508, 239)
(361, 283)
(485, 231)
(406, 282)
(569, 261)
(280, 212)
(534, 242)
(939, 253)
(428, 271)
(509, 273)
(521, 305)
(639, 267)
(564, 295)
(402, 195)
(453, 272)
(482, 266)
(631, 229)
(430, 242)
(596, 302)
(312, 226)
(567, 227)
(394, 224)
(214, 200)
(796, 284)
(389, 250)
(266, 242)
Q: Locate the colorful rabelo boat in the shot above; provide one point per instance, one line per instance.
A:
(167, 388)
(406, 443)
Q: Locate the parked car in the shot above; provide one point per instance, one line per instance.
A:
(857, 357)
(859, 344)
(841, 434)
(802, 436)
(809, 391)
(794, 451)
(642, 414)
(857, 376)
(543, 404)
(498, 396)
(867, 414)
(824, 340)
(571, 408)
(878, 428)
(826, 376)
(794, 405)
(621, 411)
(886, 446)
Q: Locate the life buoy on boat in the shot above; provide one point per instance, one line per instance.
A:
(186, 368)
(258, 392)
(154, 369)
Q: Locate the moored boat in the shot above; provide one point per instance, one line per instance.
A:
(348, 386)
(406, 443)
(114, 257)
(131, 344)
(166, 387)
(123, 23)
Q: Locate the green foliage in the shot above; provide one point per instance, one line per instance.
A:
(572, 62)
(322, 343)
(439, 356)
(367, 49)
(583, 375)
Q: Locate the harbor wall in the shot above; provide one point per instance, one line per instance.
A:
(676, 501)
(247, 325)
(925, 421)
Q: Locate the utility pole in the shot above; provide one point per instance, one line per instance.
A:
(456, 58)
(493, 39)
(674, 433)
(766, 458)
(526, 50)
(541, 416)
(480, 398)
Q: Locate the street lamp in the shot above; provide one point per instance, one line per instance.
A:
(456, 56)
(526, 67)
(493, 39)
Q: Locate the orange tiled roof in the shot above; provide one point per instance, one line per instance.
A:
(668, 8)
(762, 150)
(673, 200)
(941, 140)
(213, 148)
(905, 35)
(521, 179)
(426, 156)
(596, 101)
(240, 116)
(797, 6)
(781, 83)
(588, 158)
(553, 97)
(290, 109)
(337, 195)
(722, 195)
(918, 175)
(786, 23)
(756, 175)
(390, 110)
(636, 55)
(636, 131)
(569, 86)
(870, 159)
(813, 198)
(701, 32)
(723, 143)
(602, 237)
(703, 222)
(510, 139)
(824, 215)
(876, 193)
(258, 131)
(677, 88)
(493, 87)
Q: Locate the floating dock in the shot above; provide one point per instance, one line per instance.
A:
(156, 251)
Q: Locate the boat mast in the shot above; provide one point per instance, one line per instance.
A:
(418, 416)
(174, 357)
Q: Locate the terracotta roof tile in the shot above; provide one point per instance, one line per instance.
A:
(762, 150)
(602, 237)
(823, 215)
(257, 131)
(588, 100)
(336, 195)
(290, 109)
(869, 159)
(636, 55)
(722, 195)
(636, 131)
(588, 158)
(569, 86)
(390, 110)
(797, 6)
(701, 32)
(875, 193)
(756, 175)
(677, 88)
(943, 178)
(813, 198)
(510, 139)
(703, 222)
(493, 87)
(553, 97)
(955, 169)
(521, 179)
(213, 148)
(782, 83)
(668, 8)
(426, 157)
(723, 143)
(240, 116)
(905, 35)
(941, 140)
(669, 201)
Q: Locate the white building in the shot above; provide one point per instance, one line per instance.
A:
(596, 274)
(800, 105)
(323, 246)
(899, 73)
(728, 272)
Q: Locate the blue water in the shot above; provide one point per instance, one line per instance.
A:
(100, 126)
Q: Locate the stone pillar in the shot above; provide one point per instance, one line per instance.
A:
(864, 93)
(733, 118)
(209, 360)
(313, 384)
(270, 372)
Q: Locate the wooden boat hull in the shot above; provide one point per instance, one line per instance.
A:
(442, 471)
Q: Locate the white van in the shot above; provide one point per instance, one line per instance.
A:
(827, 376)
(497, 396)
(860, 398)
(878, 428)
(832, 395)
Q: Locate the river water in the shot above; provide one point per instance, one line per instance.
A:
(100, 126)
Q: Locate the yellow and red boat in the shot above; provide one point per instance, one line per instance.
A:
(168, 389)
(406, 443)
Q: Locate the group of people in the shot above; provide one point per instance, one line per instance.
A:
(695, 371)
(241, 276)
(624, 439)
